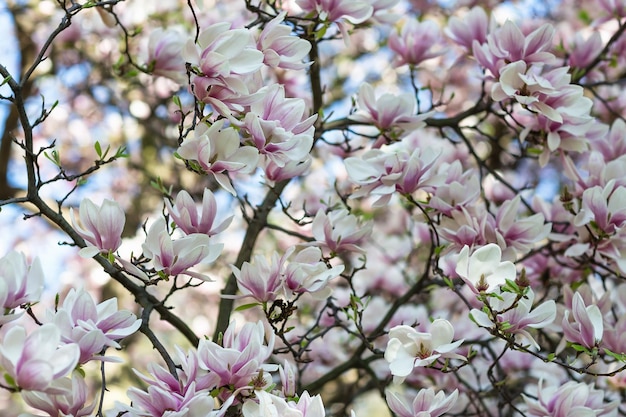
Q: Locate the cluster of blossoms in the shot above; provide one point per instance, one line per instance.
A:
(44, 363)
(421, 256)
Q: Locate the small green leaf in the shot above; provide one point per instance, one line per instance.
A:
(10, 380)
(247, 306)
(98, 149)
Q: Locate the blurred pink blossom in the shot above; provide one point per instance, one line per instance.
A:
(416, 42)
(425, 404)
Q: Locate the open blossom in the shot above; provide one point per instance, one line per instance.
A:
(307, 273)
(381, 173)
(165, 53)
(35, 361)
(390, 113)
(605, 206)
(407, 348)
(241, 357)
(217, 151)
(70, 398)
(101, 226)
(266, 405)
(483, 270)
(286, 275)
(339, 230)
(279, 128)
(185, 395)
(222, 51)
(174, 257)
(459, 188)
(519, 233)
(570, 399)
(583, 51)
(587, 326)
(474, 26)
(224, 62)
(280, 48)
(275, 173)
(20, 283)
(186, 216)
(354, 11)
(425, 404)
(508, 44)
(260, 279)
(518, 315)
(92, 327)
(416, 42)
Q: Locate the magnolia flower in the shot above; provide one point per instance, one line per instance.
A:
(425, 404)
(416, 42)
(524, 83)
(280, 48)
(519, 234)
(278, 127)
(165, 54)
(20, 284)
(71, 399)
(570, 399)
(174, 257)
(217, 151)
(383, 173)
(269, 405)
(517, 315)
(261, 280)
(35, 361)
(389, 112)
(275, 173)
(508, 44)
(407, 348)
(483, 271)
(307, 273)
(339, 230)
(583, 51)
(103, 226)
(222, 51)
(587, 327)
(606, 207)
(186, 216)
(354, 11)
(287, 374)
(474, 26)
(92, 327)
(241, 358)
(185, 394)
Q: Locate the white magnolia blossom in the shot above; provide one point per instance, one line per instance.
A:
(407, 348)
(483, 270)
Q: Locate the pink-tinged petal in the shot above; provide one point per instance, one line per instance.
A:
(84, 308)
(65, 359)
(35, 375)
(397, 405)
